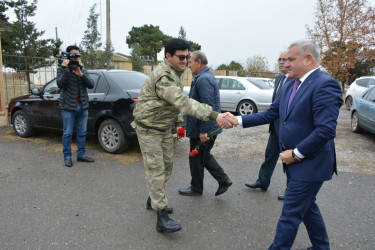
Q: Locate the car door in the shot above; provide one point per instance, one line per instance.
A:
(96, 100)
(46, 112)
(231, 92)
(367, 110)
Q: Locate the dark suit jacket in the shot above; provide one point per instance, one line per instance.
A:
(310, 125)
(274, 125)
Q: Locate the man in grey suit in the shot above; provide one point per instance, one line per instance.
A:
(273, 149)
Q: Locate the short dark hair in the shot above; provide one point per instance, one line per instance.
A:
(72, 47)
(175, 44)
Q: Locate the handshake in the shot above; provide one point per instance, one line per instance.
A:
(227, 120)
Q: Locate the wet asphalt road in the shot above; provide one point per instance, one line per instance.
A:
(44, 205)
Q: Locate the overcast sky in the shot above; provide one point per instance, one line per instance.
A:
(226, 30)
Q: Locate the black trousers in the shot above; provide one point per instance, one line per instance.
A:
(202, 160)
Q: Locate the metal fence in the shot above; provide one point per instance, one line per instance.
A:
(22, 73)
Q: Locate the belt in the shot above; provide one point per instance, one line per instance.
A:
(146, 127)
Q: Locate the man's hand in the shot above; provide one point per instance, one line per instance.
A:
(77, 71)
(227, 120)
(203, 137)
(65, 63)
(224, 121)
(287, 157)
(233, 119)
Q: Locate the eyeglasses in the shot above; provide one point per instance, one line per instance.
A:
(282, 59)
(182, 57)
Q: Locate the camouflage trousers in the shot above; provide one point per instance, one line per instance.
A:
(157, 151)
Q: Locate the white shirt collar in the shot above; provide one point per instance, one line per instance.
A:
(303, 78)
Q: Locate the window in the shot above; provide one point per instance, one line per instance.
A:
(95, 78)
(371, 82)
(51, 88)
(231, 84)
(102, 86)
(370, 95)
(363, 82)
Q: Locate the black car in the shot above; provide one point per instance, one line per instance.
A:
(111, 106)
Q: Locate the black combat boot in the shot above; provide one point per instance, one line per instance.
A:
(169, 209)
(166, 224)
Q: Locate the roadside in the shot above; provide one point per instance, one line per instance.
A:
(45, 205)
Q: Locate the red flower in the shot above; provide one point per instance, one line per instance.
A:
(193, 152)
(181, 132)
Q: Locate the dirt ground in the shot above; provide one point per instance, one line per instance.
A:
(355, 152)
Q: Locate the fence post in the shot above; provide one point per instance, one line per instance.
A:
(3, 113)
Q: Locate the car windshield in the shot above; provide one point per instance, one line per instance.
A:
(127, 80)
(258, 83)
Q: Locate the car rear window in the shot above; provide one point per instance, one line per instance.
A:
(127, 80)
(258, 83)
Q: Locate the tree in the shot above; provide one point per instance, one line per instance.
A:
(232, 66)
(5, 40)
(182, 33)
(91, 41)
(92, 56)
(24, 39)
(345, 32)
(137, 61)
(105, 60)
(256, 66)
(149, 39)
(193, 46)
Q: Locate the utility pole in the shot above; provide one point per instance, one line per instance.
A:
(108, 17)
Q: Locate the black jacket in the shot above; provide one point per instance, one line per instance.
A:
(69, 83)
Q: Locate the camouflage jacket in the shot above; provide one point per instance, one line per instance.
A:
(162, 99)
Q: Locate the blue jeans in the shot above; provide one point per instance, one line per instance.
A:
(78, 117)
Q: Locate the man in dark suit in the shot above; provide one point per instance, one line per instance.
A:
(273, 148)
(204, 89)
(308, 110)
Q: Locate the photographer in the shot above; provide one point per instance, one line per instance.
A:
(73, 80)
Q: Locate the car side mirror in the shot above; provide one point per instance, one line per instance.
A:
(35, 91)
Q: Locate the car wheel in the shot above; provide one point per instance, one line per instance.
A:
(246, 108)
(111, 137)
(21, 124)
(349, 102)
(355, 126)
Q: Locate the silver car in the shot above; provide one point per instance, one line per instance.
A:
(243, 95)
(358, 87)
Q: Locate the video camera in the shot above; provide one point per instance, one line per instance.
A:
(72, 64)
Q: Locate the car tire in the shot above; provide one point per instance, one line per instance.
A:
(354, 123)
(246, 107)
(111, 137)
(21, 124)
(349, 102)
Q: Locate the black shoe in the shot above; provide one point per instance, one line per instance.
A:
(165, 224)
(255, 185)
(85, 159)
(188, 191)
(68, 162)
(281, 197)
(168, 208)
(223, 187)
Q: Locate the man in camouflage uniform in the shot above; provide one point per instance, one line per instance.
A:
(161, 104)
